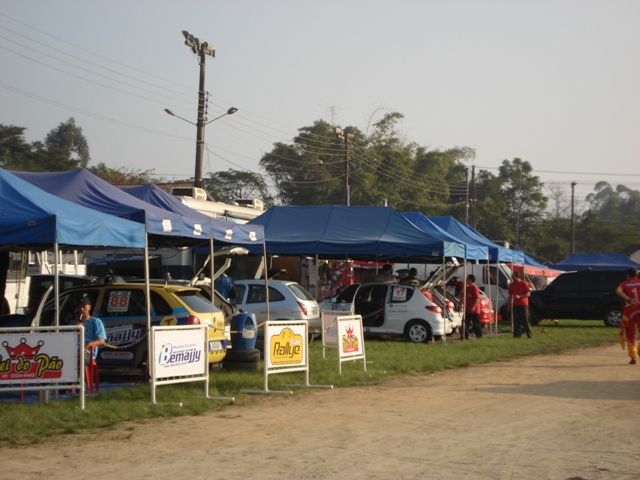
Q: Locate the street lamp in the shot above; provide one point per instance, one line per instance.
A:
(198, 181)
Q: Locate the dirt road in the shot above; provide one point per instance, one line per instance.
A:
(570, 416)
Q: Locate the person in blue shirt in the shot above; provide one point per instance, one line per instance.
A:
(95, 334)
(224, 286)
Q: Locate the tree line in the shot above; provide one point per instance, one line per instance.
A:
(380, 167)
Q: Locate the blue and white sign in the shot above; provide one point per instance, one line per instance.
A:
(179, 352)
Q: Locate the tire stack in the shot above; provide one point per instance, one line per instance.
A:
(248, 359)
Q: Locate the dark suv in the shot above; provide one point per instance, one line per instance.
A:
(585, 295)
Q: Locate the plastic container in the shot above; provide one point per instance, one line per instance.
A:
(244, 331)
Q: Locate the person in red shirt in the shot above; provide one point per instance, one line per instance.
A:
(519, 292)
(472, 308)
(629, 291)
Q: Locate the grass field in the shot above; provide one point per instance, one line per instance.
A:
(22, 423)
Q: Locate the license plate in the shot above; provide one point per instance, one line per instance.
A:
(215, 346)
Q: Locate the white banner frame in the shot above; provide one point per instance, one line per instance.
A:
(329, 330)
(292, 334)
(192, 341)
(344, 323)
(68, 347)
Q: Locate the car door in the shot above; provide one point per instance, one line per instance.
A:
(398, 308)
(255, 301)
(369, 302)
(566, 296)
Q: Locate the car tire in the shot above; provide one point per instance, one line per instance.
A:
(242, 360)
(243, 356)
(613, 316)
(418, 331)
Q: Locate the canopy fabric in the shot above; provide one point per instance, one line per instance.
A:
(84, 188)
(221, 230)
(595, 261)
(31, 216)
(465, 233)
(359, 233)
(473, 251)
(533, 267)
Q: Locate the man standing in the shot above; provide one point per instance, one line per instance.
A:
(472, 308)
(94, 332)
(629, 291)
(519, 292)
(225, 287)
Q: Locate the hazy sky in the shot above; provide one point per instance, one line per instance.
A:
(554, 82)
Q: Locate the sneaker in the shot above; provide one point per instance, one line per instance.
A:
(632, 361)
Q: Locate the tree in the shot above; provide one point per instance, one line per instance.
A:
(310, 170)
(15, 152)
(67, 146)
(122, 175)
(234, 185)
(524, 200)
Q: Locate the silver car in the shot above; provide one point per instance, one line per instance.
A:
(287, 301)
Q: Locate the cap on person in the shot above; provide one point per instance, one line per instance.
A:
(85, 301)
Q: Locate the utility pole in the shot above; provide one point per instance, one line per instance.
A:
(345, 138)
(202, 50)
(573, 218)
(466, 198)
(473, 195)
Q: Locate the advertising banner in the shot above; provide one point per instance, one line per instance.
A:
(179, 352)
(350, 336)
(39, 358)
(285, 345)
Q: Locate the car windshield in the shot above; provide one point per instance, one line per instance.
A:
(300, 292)
(197, 302)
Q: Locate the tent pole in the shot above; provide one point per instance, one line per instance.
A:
(212, 270)
(266, 280)
(147, 294)
(463, 330)
(444, 291)
(56, 281)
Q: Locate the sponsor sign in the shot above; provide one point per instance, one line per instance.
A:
(350, 335)
(287, 344)
(179, 352)
(39, 358)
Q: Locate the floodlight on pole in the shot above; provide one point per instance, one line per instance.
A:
(202, 49)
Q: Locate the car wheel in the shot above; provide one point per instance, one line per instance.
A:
(613, 317)
(418, 331)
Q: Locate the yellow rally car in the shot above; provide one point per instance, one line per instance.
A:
(122, 308)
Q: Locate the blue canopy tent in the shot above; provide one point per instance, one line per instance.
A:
(473, 251)
(84, 188)
(33, 217)
(595, 261)
(360, 233)
(464, 232)
(221, 230)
